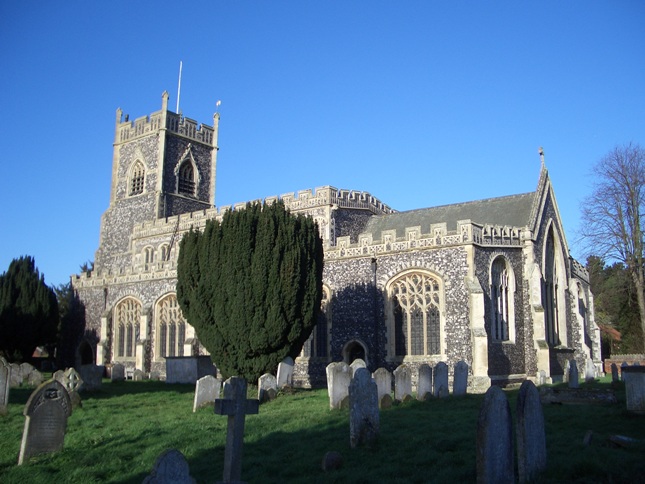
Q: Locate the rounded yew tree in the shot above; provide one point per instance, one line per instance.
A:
(251, 286)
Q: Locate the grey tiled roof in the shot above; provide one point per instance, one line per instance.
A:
(513, 210)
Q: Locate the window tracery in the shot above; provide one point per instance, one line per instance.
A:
(127, 317)
(171, 327)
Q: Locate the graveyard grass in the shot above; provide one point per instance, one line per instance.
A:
(120, 430)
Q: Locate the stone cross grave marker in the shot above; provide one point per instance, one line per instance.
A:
(236, 406)
(338, 379)
(460, 379)
(495, 439)
(170, 467)
(206, 391)
(46, 414)
(573, 374)
(402, 383)
(440, 382)
(285, 372)
(531, 439)
(5, 384)
(424, 382)
(364, 419)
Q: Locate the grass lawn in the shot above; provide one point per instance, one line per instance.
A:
(119, 432)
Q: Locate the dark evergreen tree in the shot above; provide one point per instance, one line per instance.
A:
(72, 325)
(28, 311)
(251, 287)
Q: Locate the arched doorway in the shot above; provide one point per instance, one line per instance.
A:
(354, 350)
(86, 353)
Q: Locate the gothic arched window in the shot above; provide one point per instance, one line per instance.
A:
(549, 291)
(416, 311)
(501, 295)
(171, 327)
(137, 177)
(186, 179)
(127, 315)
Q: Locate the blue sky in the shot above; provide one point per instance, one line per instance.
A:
(420, 103)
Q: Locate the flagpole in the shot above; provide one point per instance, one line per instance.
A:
(179, 86)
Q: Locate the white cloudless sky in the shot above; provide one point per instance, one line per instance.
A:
(420, 103)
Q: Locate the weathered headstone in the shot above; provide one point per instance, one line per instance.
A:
(590, 370)
(460, 379)
(46, 414)
(567, 367)
(154, 375)
(16, 375)
(424, 382)
(402, 382)
(383, 380)
(26, 369)
(118, 372)
(138, 375)
(267, 388)
(5, 385)
(236, 407)
(495, 439)
(331, 461)
(531, 440)
(623, 365)
(363, 409)
(338, 379)
(171, 467)
(614, 373)
(356, 364)
(635, 388)
(285, 372)
(542, 378)
(92, 376)
(573, 374)
(440, 380)
(35, 378)
(206, 391)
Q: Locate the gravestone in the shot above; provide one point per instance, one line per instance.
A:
(35, 378)
(495, 439)
(92, 376)
(154, 375)
(206, 391)
(383, 380)
(138, 375)
(424, 382)
(356, 364)
(46, 414)
(565, 376)
(236, 407)
(16, 375)
(402, 383)
(440, 380)
(285, 372)
(531, 440)
(26, 369)
(363, 409)
(635, 388)
(590, 370)
(338, 380)
(72, 382)
(542, 378)
(460, 380)
(59, 376)
(118, 372)
(171, 467)
(267, 388)
(614, 373)
(5, 385)
(188, 369)
(573, 374)
(623, 365)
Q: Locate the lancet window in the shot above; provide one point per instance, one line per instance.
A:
(501, 293)
(127, 315)
(171, 327)
(137, 178)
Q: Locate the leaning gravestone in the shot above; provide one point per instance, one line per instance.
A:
(531, 440)
(118, 372)
(46, 414)
(5, 384)
(440, 380)
(590, 370)
(171, 467)
(402, 383)
(338, 379)
(460, 380)
(573, 374)
(424, 382)
(285, 372)
(92, 376)
(495, 439)
(356, 364)
(383, 380)
(267, 388)
(206, 391)
(363, 409)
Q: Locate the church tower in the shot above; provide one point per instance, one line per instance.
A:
(163, 165)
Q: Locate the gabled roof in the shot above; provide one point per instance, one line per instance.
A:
(513, 210)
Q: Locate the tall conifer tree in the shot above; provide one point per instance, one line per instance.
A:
(251, 286)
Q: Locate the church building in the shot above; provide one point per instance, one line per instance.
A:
(490, 282)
